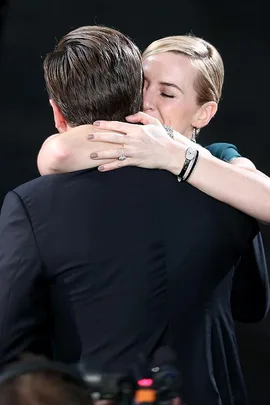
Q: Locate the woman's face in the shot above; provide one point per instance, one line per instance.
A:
(169, 94)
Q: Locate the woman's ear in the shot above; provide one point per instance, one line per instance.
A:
(205, 114)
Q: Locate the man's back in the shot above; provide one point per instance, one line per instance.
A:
(114, 257)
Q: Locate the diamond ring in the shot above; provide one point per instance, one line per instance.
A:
(122, 156)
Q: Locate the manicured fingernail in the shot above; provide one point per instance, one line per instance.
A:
(93, 155)
(96, 123)
(101, 168)
(90, 136)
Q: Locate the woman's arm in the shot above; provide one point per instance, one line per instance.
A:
(50, 156)
(242, 187)
(248, 165)
(238, 184)
(229, 153)
(149, 146)
(69, 151)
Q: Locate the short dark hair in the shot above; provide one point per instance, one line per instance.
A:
(42, 387)
(95, 73)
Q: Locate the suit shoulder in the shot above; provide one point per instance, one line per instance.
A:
(39, 184)
(50, 183)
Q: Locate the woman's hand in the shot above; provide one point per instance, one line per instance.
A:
(70, 151)
(147, 145)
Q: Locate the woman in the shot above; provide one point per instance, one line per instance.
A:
(183, 83)
(196, 68)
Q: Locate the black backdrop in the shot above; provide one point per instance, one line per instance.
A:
(237, 28)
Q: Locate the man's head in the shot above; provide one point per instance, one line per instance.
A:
(36, 381)
(94, 73)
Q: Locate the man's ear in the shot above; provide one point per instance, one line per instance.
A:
(59, 120)
(205, 114)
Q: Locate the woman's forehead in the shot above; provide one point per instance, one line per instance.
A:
(169, 66)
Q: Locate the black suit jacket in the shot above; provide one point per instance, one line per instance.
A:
(102, 265)
(250, 287)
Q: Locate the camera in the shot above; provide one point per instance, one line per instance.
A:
(142, 384)
(157, 383)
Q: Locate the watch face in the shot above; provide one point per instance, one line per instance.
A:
(190, 153)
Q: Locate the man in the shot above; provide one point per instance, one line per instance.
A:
(107, 266)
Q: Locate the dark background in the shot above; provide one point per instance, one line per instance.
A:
(237, 28)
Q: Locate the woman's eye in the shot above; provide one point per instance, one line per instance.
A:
(166, 95)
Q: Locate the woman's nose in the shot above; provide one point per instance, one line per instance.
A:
(147, 101)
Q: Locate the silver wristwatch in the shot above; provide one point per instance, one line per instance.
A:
(191, 157)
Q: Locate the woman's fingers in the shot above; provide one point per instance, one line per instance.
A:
(142, 118)
(118, 126)
(108, 137)
(117, 164)
(109, 154)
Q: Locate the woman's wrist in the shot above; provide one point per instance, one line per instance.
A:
(177, 152)
(177, 157)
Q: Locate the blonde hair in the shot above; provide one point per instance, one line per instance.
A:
(203, 56)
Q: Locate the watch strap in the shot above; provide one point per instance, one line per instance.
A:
(188, 166)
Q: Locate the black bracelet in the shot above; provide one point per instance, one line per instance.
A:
(190, 156)
(193, 164)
